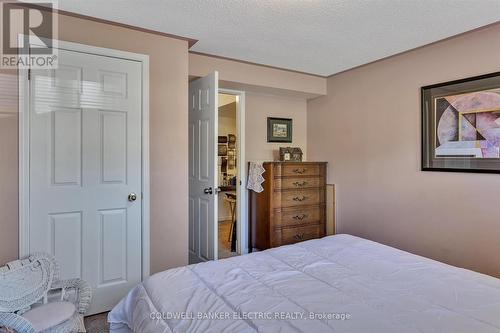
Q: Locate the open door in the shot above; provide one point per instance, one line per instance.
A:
(203, 180)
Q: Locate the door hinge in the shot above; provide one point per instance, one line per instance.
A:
(29, 73)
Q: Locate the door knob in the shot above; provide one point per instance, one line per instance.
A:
(208, 190)
(132, 197)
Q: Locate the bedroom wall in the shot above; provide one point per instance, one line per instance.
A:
(368, 129)
(260, 106)
(269, 92)
(263, 78)
(168, 139)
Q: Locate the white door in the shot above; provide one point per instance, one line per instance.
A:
(203, 116)
(85, 161)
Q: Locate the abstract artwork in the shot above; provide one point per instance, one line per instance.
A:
(461, 129)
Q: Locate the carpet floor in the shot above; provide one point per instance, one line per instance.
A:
(97, 323)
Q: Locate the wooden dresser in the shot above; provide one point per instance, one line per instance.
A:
(292, 206)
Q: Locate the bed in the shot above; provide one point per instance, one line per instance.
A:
(338, 283)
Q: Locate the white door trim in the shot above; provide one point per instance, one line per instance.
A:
(241, 197)
(24, 148)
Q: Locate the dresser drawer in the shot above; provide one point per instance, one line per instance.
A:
(292, 206)
(296, 217)
(301, 170)
(293, 198)
(299, 234)
(299, 182)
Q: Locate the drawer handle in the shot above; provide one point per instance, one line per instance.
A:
(300, 171)
(300, 184)
(300, 217)
(300, 199)
(299, 237)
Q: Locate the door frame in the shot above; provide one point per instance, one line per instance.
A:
(241, 197)
(24, 147)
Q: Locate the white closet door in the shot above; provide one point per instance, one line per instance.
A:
(85, 161)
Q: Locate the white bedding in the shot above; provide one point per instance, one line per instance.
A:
(348, 283)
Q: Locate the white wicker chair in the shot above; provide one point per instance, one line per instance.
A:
(33, 299)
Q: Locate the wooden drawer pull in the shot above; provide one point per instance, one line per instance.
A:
(298, 237)
(300, 171)
(300, 217)
(300, 184)
(300, 199)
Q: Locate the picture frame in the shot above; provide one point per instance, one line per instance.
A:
(231, 143)
(222, 150)
(279, 129)
(461, 125)
(290, 154)
(231, 163)
(224, 165)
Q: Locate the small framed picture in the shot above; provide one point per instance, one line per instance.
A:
(231, 163)
(223, 167)
(222, 150)
(279, 130)
(231, 143)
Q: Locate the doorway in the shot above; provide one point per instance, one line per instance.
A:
(230, 155)
(217, 171)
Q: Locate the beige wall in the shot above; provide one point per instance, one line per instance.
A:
(269, 92)
(368, 128)
(265, 78)
(257, 108)
(227, 118)
(168, 140)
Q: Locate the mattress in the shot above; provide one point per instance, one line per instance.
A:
(339, 283)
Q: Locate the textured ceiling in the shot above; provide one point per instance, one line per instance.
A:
(314, 36)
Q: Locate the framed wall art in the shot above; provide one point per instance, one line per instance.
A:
(279, 130)
(222, 150)
(461, 125)
(231, 143)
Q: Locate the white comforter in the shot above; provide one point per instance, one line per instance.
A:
(340, 283)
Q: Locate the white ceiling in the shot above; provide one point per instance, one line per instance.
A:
(314, 36)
